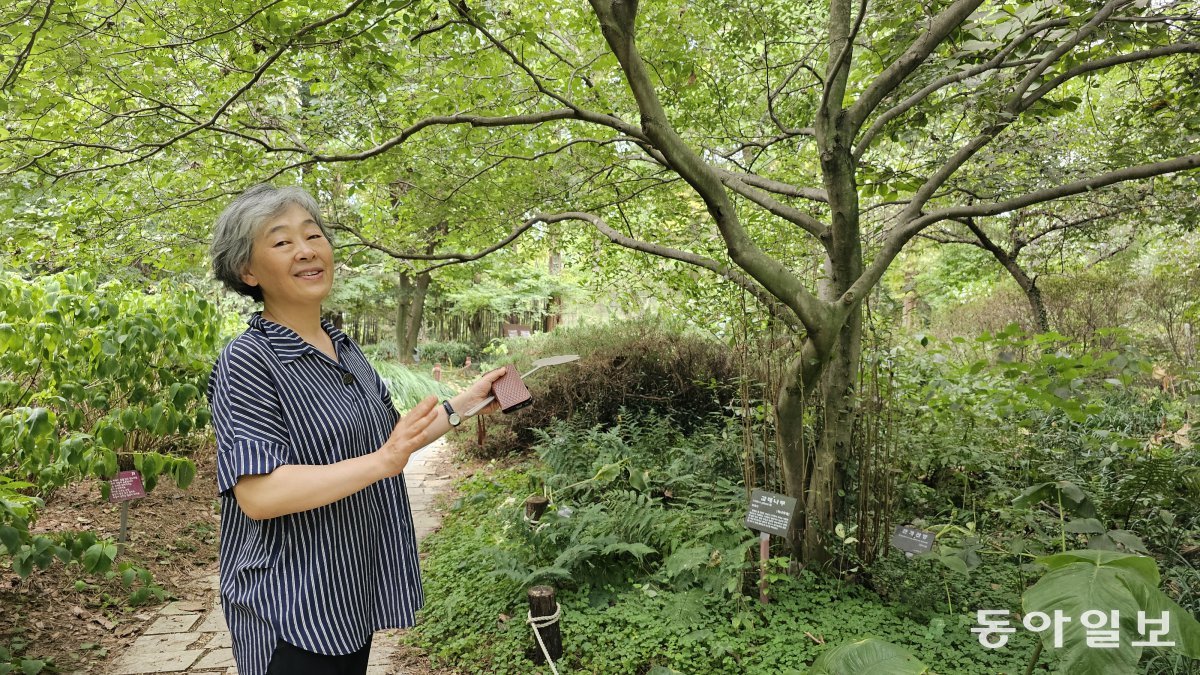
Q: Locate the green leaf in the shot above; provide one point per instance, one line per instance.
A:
(1085, 526)
(638, 479)
(954, 563)
(11, 538)
(32, 666)
(111, 436)
(686, 559)
(637, 549)
(1142, 565)
(607, 473)
(1080, 581)
(184, 472)
(99, 556)
(185, 393)
(869, 656)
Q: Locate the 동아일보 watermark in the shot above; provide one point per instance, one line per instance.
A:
(1101, 628)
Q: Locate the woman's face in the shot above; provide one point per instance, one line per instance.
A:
(291, 261)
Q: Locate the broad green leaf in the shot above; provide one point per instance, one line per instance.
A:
(1085, 526)
(99, 556)
(870, 656)
(607, 473)
(1081, 581)
(11, 538)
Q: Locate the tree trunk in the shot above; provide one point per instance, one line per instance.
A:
(416, 314)
(403, 313)
(815, 475)
(410, 312)
(1008, 260)
(839, 409)
(1040, 318)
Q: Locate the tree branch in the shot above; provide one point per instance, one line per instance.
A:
(777, 208)
(1018, 104)
(580, 113)
(776, 187)
(19, 62)
(617, 20)
(772, 303)
(450, 258)
(157, 147)
(994, 63)
(901, 235)
(896, 73)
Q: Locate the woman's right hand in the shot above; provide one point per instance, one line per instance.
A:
(413, 432)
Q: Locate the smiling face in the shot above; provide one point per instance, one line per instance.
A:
(291, 261)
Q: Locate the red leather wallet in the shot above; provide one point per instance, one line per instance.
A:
(510, 391)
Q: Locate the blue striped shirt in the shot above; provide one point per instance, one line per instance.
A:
(323, 580)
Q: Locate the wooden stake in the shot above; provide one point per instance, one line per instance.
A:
(541, 604)
(535, 506)
(764, 552)
(123, 534)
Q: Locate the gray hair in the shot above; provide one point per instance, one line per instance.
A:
(239, 223)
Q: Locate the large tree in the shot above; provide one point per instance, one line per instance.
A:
(792, 149)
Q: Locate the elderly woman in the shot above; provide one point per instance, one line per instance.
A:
(318, 549)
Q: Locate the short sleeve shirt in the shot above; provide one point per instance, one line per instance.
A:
(325, 579)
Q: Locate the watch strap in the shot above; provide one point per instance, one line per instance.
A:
(450, 414)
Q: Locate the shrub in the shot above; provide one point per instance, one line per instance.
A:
(445, 353)
(384, 350)
(626, 368)
(95, 378)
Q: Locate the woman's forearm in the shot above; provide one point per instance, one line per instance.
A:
(293, 488)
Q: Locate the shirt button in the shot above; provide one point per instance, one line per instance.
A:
(348, 379)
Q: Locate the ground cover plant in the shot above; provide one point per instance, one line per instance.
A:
(646, 581)
(1021, 454)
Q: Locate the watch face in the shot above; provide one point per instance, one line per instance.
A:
(455, 420)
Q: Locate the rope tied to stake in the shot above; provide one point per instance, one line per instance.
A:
(544, 622)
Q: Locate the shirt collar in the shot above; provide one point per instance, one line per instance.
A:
(287, 343)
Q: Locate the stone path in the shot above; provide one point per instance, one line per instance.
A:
(191, 637)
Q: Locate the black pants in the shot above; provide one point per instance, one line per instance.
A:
(292, 660)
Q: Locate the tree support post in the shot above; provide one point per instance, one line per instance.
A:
(544, 617)
(535, 506)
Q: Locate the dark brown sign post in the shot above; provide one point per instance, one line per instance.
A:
(770, 513)
(124, 487)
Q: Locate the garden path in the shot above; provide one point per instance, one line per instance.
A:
(190, 636)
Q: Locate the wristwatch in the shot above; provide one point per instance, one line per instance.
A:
(455, 420)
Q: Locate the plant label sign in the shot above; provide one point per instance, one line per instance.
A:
(770, 512)
(126, 485)
(911, 540)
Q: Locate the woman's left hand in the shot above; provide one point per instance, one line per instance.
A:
(477, 392)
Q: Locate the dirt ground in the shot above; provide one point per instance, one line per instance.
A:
(73, 620)
(77, 622)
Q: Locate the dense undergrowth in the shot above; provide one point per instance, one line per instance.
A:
(646, 582)
(1009, 449)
